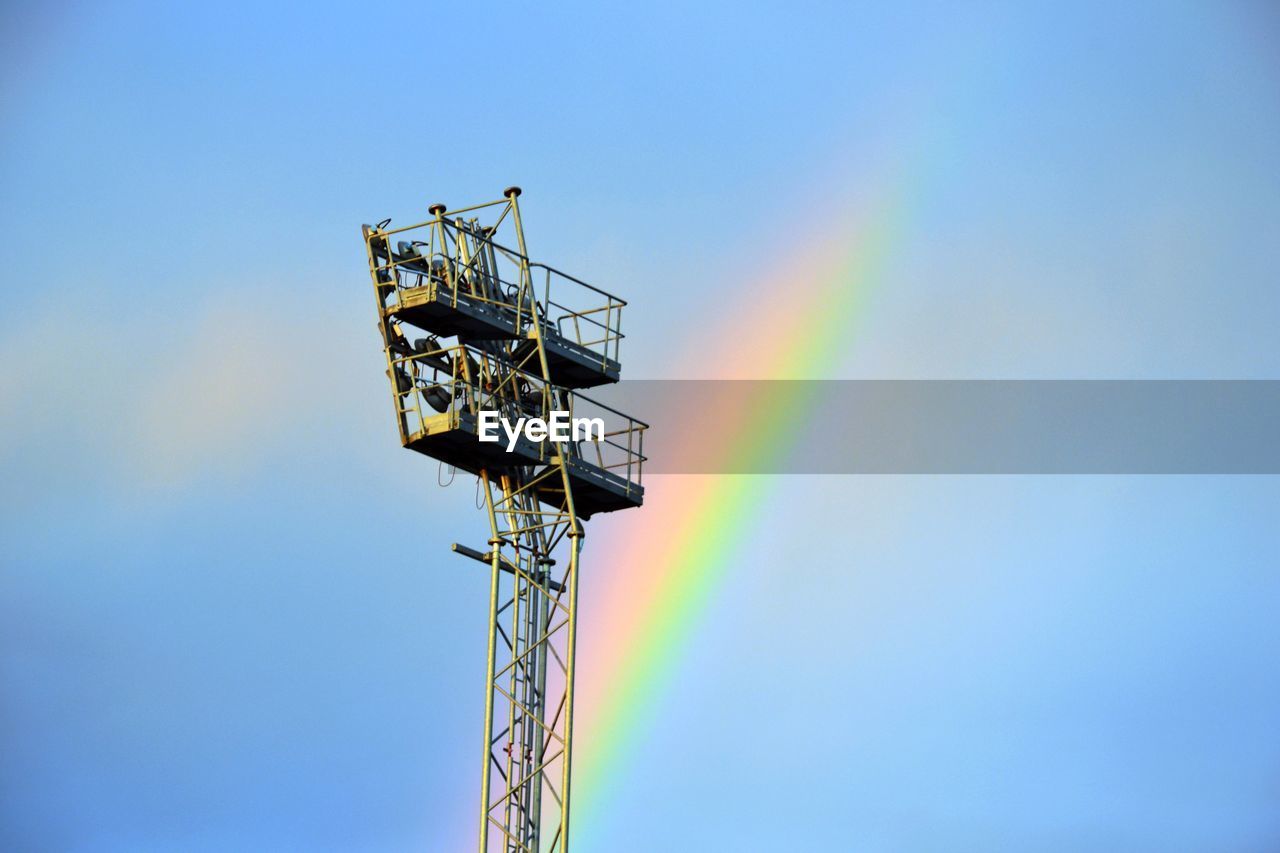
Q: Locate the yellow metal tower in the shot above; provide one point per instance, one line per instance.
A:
(526, 339)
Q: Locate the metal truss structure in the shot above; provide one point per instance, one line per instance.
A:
(526, 340)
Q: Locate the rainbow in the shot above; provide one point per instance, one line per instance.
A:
(681, 546)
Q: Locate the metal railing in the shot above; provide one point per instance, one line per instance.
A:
(596, 327)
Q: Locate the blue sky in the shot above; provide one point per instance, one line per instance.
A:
(227, 616)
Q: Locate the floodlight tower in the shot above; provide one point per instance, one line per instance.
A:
(504, 334)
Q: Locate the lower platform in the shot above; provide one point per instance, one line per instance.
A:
(453, 438)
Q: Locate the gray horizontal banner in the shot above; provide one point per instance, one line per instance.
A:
(955, 427)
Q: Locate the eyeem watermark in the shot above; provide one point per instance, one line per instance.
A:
(559, 428)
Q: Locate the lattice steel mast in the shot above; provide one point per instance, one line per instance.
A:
(528, 338)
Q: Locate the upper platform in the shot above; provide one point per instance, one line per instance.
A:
(448, 312)
(460, 283)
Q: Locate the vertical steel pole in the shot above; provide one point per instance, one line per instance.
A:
(489, 672)
(575, 539)
(538, 692)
